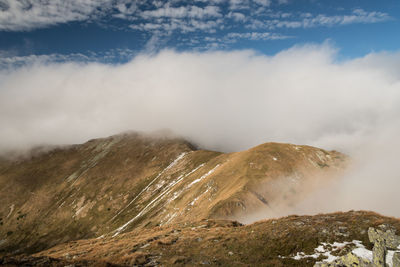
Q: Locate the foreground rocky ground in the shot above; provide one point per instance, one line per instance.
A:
(288, 241)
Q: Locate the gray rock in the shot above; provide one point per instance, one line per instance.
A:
(396, 259)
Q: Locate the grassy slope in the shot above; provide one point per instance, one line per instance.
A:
(84, 191)
(265, 243)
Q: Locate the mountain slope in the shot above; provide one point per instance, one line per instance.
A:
(288, 241)
(111, 185)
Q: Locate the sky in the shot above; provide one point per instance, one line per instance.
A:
(115, 31)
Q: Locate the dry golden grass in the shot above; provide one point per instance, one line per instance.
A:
(83, 191)
(227, 243)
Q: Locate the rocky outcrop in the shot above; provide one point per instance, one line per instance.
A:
(348, 260)
(384, 239)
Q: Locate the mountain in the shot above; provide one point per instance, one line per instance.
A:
(109, 186)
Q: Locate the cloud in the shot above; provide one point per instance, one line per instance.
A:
(11, 61)
(263, 2)
(226, 101)
(300, 95)
(283, 2)
(256, 36)
(308, 20)
(236, 16)
(182, 12)
(22, 15)
(168, 26)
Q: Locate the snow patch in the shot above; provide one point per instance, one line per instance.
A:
(197, 198)
(363, 253)
(147, 187)
(152, 203)
(323, 250)
(11, 210)
(203, 176)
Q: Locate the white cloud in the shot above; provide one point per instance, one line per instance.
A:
(239, 4)
(168, 26)
(225, 100)
(11, 62)
(263, 2)
(256, 36)
(307, 20)
(236, 16)
(17, 15)
(183, 12)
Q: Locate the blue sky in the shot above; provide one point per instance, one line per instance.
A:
(114, 31)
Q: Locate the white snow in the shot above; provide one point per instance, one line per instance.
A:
(11, 210)
(322, 250)
(203, 176)
(274, 158)
(359, 251)
(363, 253)
(389, 256)
(197, 198)
(145, 189)
(61, 204)
(152, 203)
(302, 255)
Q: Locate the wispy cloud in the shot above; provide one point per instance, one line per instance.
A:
(256, 36)
(168, 26)
(12, 62)
(182, 12)
(23, 15)
(308, 20)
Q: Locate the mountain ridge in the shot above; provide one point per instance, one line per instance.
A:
(108, 186)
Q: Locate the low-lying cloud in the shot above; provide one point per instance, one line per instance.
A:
(227, 101)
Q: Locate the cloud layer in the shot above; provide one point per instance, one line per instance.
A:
(300, 95)
(227, 101)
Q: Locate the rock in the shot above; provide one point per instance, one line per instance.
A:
(348, 260)
(388, 235)
(230, 253)
(396, 259)
(383, 238)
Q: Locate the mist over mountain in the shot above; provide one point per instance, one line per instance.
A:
(224, 101)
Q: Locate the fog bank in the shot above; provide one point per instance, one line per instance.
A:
(225, 101)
